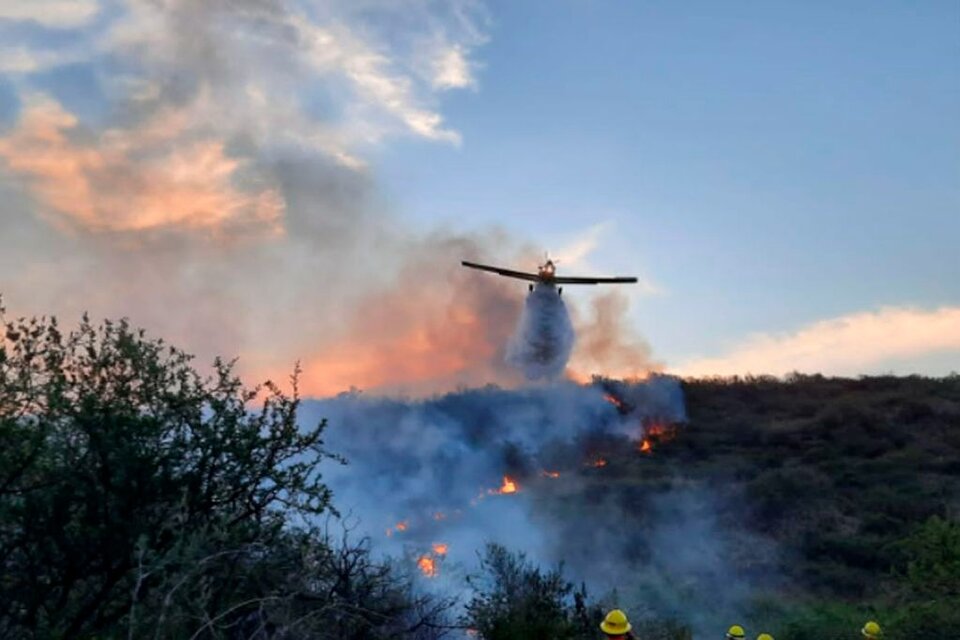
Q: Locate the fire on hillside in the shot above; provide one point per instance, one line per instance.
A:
(474, 465)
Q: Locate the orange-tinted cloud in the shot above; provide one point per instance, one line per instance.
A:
(848, 345)
(133, 179)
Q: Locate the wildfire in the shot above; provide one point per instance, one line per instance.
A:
(550, 474)
(400, 527)
(427, 566)
(440, 548)
(509, 486)
(653, 433)
(599, 462)
(614, 400)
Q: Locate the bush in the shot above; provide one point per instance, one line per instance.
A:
(515, 600)
(140, 499)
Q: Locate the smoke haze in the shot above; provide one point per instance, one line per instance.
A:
(539, 470)
(213, 187)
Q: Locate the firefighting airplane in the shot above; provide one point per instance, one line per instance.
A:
(547, 275)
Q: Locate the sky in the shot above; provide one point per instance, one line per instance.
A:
(288, 180)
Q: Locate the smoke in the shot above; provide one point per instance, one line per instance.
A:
(211, 184)
(437, 464)
(554, 471)
(541, 345)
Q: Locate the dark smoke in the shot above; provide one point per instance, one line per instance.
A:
(544, 337)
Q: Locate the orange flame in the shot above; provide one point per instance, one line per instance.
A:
(599, 462)
(612, 399)
(509, 486)
(440, 548)
(653, 433)
(399, 528)
(550, 474)
(427, 566)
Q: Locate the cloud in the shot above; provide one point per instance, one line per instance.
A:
(574, 253)
(451, 70)
(55, 14)
(129, 180)
(849, 345)
(18, 60)
(216, 191)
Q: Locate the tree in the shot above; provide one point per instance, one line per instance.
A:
(141, 499)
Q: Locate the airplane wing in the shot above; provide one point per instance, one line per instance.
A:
(574, 280)
(520, 275)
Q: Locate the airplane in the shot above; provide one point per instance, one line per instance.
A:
(547, 275)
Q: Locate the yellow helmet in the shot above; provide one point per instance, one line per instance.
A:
(872, 630)
(735, 633)
(764, 636)
(616, 623)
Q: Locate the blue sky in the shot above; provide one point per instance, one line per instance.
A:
(784, 177)
(767, 165)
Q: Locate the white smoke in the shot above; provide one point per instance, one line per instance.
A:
(428, 472)
(544, 338)
(553, 471)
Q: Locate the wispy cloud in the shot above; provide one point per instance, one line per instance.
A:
(55, 14)
(849, 345)
(205, 94)
(213, 188)
(452, 70)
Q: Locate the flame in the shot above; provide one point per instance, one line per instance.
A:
(509, 486)
(653, 433)
(599, 462)
(440, 548)
(614, 400)
(398, 528)
(427, 566)
(550, 474)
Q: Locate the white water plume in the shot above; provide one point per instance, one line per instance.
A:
(544, 338)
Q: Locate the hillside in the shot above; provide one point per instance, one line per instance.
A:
(827, 497)
(836, 470)
(140, 498)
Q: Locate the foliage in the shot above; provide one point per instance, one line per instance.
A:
(515, 600)
(932, 567)
(140, 499)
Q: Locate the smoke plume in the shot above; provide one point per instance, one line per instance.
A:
(552, 471)
(211, 183)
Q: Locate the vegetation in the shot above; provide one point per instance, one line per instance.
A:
(514, 600)
(140, 500)
(855, 484)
